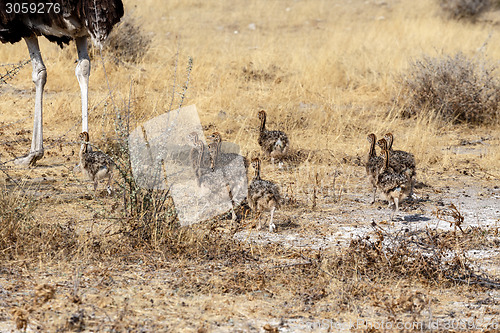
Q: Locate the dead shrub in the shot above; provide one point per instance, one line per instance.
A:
(429, 257)
(149, 215)
(149, 218)
(464, 9)
(128, 42)
(271, 74)
(457, 88)
(23, 236)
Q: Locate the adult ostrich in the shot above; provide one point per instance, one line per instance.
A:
(59, 21)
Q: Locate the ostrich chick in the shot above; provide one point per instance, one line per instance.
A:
(394, 185)
(95, 165)
(273, 143)
(263, 195)
(373, 165)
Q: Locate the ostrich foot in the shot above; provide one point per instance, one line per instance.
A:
(413, 196)
(30, 159)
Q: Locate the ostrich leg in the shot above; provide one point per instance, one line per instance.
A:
(272, 226)
(82, 73)
(39, 76)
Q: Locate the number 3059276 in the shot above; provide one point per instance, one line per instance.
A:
(32, 8)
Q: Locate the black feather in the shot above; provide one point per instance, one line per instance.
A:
(72, 18)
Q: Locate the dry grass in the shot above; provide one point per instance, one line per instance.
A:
(430, 257)
(465, 9)
(456, 88)
(128, 42)
(326, 73)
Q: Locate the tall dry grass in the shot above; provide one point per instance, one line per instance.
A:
(325, 72)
